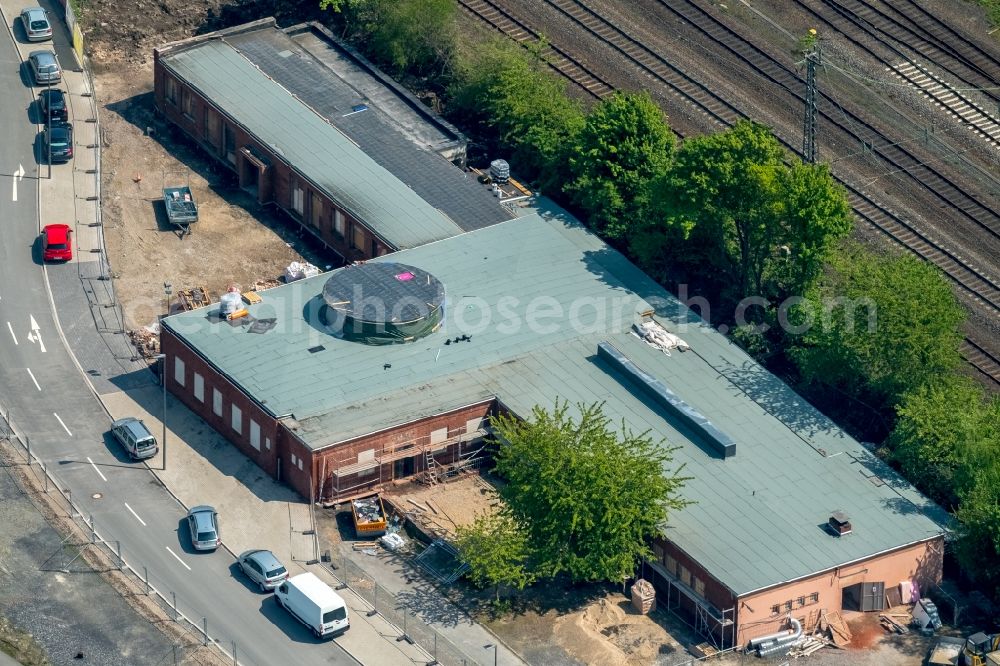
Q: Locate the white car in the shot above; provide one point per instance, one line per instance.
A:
(36, 24)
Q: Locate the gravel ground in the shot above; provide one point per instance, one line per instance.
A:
(58, 609)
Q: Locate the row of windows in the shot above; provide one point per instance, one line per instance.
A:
(235, 413)
(308, 209)
(677, 569)
(798, 602)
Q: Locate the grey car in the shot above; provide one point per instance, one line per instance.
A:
(36, 24)
(263, 568)
(135, 438)
(204, 524)
(44, 67)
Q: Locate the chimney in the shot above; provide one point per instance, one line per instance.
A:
(839, 523)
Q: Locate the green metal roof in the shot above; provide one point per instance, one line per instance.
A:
(312, 146)
(759, 515)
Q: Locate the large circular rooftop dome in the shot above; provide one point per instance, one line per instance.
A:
(383, 303)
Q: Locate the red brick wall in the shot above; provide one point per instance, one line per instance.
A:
(276, 188)
(670, 556)
(266, 457)
(418, 432)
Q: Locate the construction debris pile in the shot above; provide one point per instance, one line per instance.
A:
(146, 342)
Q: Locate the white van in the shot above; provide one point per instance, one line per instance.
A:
(313, 603)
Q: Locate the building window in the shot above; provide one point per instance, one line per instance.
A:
(300, 463)
(315, 209)
(814, 598)
(217, 402)
(187, 104)
(298, 196)
(699, 587)
(171, 90)
(254, 434)
(338, 222)
(229, 143)
(358, 239)
(237, 420)
(210, 131)
(267, 443)
(788, 605)
(179, 370)
(685, 575)
(439, 435)
(801, 601)
(293, 459)
(671, 565)
(473, 425)
(199, 387)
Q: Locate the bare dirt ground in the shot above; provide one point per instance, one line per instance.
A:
(233, 240)
(445, 506)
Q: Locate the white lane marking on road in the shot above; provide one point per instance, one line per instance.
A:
(17, 175)
(62, 424)
(34, 334)
(178, 559)
(136, 515)
(33, 379)
(11, 329)
(95, 469)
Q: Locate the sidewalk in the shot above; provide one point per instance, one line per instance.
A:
(203, 468)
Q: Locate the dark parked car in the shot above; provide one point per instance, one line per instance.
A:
(204, 524)
(57, 142)
(263, 568)
(44, 67)
(52, 104)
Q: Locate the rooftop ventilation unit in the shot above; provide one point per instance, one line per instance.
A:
(839, 524)
(658, 391)
(499, 171)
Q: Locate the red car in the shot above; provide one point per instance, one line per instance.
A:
(57, 242)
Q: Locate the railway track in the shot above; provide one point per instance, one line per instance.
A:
(894, 154)
(851, 17)
(969, 279)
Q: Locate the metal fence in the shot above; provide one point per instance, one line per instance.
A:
(190, 635)
(405, 614)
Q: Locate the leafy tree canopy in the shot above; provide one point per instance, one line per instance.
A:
(588, 497)
(508, 95)
(412, 36)
(880, 326)
(939, 425)
(730, 207)
(497, 550)
(624, 144)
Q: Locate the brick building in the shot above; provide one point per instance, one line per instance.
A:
(538, 309)
(310, 126)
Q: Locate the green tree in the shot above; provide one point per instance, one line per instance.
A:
(412, 36)
(978, 545)
(730, 212)
(880, 327)
(497, 550)
(938, 425)
(588, 497)
(624, 144)
(511, 99)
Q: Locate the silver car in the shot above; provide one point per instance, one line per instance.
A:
(44, 67)
(133, 435)
(204, 524)
(36, 24)
(263, 568)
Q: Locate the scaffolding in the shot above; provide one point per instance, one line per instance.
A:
(718, 626)
(427, 459)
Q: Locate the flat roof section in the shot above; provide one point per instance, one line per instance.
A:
(334, 82)
(536, 299)
(311, 145)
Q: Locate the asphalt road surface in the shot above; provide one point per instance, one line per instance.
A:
(53, 406)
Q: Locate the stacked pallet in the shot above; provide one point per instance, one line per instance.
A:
(896, 621)
(839, 631)
(643, 596)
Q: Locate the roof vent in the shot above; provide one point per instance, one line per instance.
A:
(839, 524)
(722, 443)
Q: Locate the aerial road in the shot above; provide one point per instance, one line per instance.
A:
(53, 407)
